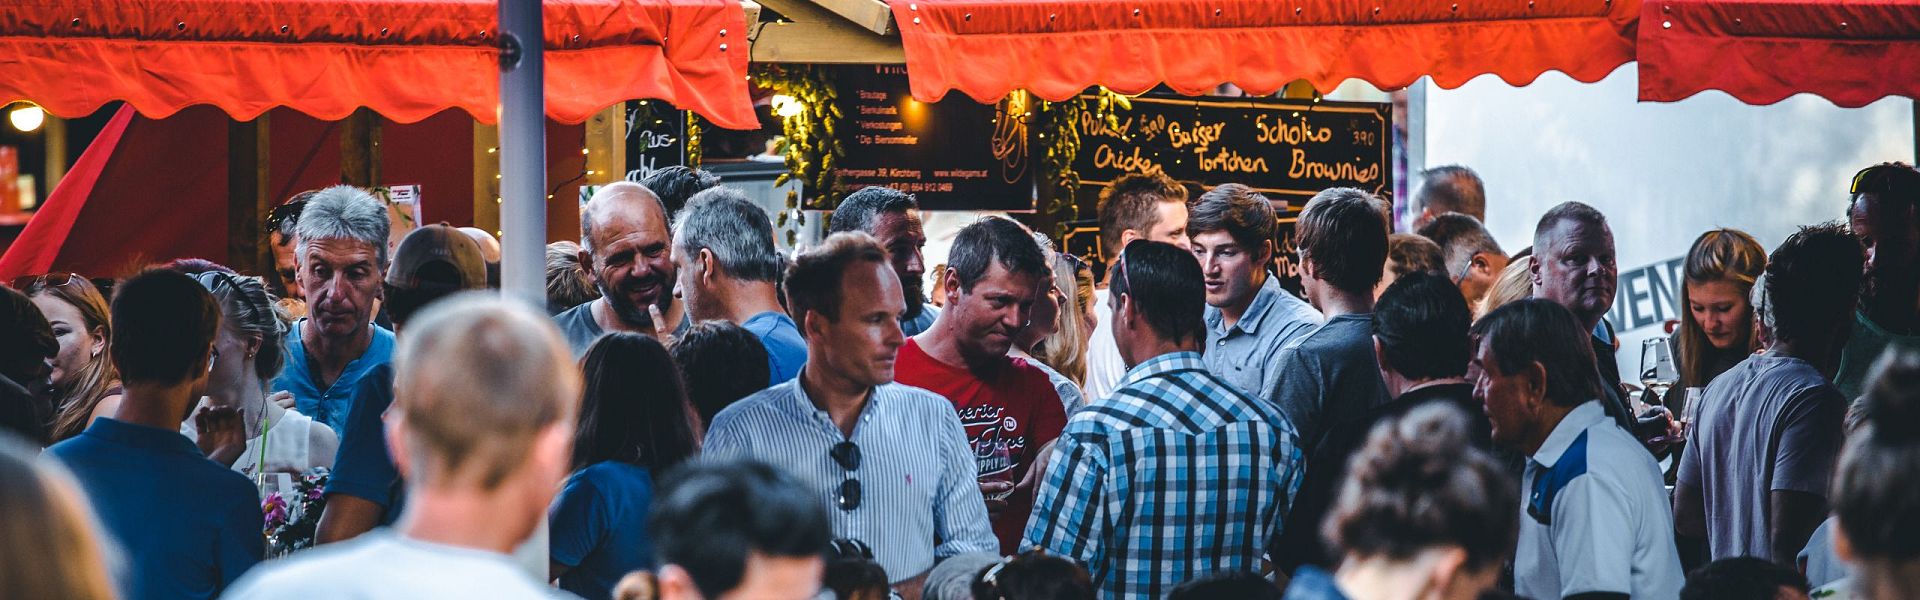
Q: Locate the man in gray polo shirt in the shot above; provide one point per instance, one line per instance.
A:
(1249, 318)
(1595, 521)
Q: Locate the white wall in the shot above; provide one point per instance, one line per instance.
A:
(1663, 173)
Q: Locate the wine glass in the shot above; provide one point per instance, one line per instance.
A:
(1657, 373)
(995, 464)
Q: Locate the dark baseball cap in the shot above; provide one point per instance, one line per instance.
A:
(437, 256)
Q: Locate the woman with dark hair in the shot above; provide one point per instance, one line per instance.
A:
(85, 383)
(1423, 514)
(1033, 576)
(635, 422)
(1876, 495)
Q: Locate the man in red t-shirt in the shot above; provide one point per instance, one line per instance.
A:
(1009, 407)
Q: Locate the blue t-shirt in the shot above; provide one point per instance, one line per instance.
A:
(786, 350)
(187, 527)
(362, 468)
(599, 527)
(329, 405)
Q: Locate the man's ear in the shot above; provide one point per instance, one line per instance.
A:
(393, 422)
(1380, 355)
(674, 583)
(1128, 235)
(1480, 263)
(1536, 375)
(1533, 269)
(586, 264)
(704, 258)
(951, 287)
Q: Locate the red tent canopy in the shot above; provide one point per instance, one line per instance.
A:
(405, 59)
(1852, 52)
(1057, 48)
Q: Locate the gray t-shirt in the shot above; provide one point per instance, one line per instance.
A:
(1330, 376)
(577, 325)
(1769, 423)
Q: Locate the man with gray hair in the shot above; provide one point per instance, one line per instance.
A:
(1452, 188)
(1474, 259)
(342, 255)
(729, 270)
(893, 217)
(626, 248)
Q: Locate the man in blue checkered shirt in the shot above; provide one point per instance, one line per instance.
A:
(1177, 474)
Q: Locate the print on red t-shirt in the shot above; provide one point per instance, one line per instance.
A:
(1015, 407)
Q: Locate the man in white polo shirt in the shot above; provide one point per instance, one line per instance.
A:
(1595, 521)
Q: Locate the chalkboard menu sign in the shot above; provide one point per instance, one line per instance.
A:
(656, 137)
(1288, 150)
(955, 154)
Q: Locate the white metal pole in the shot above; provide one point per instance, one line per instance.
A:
(523, 152)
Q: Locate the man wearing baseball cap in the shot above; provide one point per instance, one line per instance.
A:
(432, 262)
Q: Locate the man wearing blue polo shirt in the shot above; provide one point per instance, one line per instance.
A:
(343, 258)
(188, 527)
(727, 268)
(1594, 522)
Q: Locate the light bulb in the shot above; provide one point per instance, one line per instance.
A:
(27, 118)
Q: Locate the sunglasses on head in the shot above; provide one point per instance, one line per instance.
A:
(214, 280)
(285, 216)
(1890, 178)
(847, 455)
(45, 280)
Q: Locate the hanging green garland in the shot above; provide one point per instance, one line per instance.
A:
(1060, 136)
(812, 150)
(693, 140)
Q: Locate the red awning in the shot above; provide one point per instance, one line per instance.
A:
(1851, 52)
(1057, 48)
(405, 59)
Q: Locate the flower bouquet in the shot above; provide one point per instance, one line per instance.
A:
(293, 514)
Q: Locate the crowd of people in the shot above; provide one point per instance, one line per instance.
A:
(696, 414)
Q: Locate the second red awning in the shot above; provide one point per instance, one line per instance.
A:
(1057, 48)
(1851, 52)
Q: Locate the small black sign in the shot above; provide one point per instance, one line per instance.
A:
(656, 137)
(955, 154)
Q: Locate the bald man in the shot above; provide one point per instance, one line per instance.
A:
(489, 251)
(628, 252)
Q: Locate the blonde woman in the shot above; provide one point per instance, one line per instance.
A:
(1066, 349)
(83, 376)
(1716, 320)
(235, 424)
(1047, 322)
(50, 547)
(1514, 283)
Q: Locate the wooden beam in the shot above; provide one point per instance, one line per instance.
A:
(486, 177)
(606, 145)
(247, 201)
(825, 42)
(360, 149)
(871, 15)
(817, 31)
(56, 154)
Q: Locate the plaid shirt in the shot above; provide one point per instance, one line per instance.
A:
(1174, 476)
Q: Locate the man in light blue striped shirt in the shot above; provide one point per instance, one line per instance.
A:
(1177, 474)
(891, 461)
